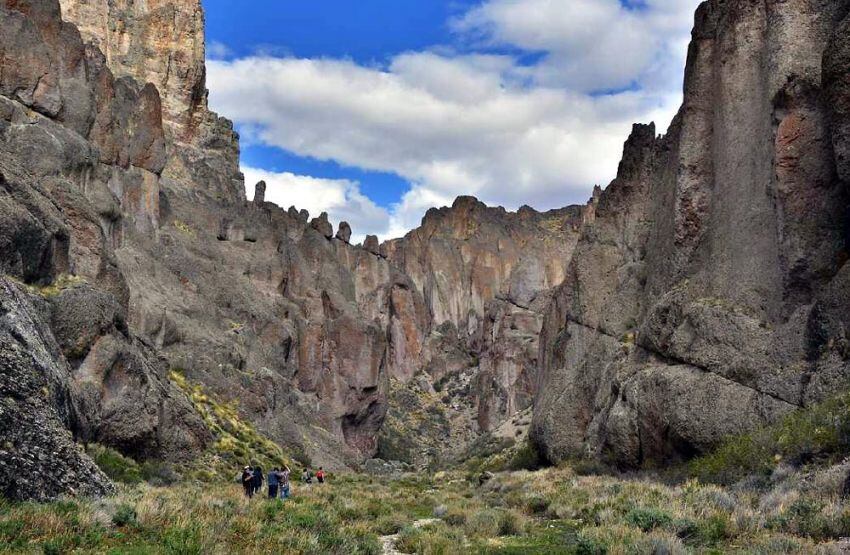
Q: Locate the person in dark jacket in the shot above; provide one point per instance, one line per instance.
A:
(248, 482)
(273, 482)
(259, 478)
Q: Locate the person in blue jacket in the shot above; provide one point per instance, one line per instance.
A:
(273, 483)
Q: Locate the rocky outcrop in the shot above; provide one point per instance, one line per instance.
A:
(80, 157)
(487, 273)
(161, 43)
(484, 275)
(344, 232)
(38, 456)
(709, 296)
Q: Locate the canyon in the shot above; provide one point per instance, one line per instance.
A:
(702, 293)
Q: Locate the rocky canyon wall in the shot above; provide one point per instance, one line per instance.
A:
(711, 294)
(81, 153)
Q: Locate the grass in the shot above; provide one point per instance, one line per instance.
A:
(788, 497)
(184, 228)
(548, 511)
(54, 289)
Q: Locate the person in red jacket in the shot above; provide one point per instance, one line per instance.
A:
(320, 475)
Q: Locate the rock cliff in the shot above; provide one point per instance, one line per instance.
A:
(81, 153)
(711, 293)
(485, 276)
(703, 292)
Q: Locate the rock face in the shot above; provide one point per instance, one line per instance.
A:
(248, 300)
(161, 42)
(485, 276)
(710, 294)
(80, 158)
(38, 457)
(703, 292)
(487, 273)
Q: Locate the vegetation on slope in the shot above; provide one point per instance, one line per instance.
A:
(237, 442)
(818, 435)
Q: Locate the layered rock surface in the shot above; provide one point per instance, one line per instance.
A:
(710, 295)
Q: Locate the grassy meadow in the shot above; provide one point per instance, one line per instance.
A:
(782, 489)
(547, 511)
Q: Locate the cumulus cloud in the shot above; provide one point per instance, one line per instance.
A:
(473, 122)
(340, 198)
(589, 45)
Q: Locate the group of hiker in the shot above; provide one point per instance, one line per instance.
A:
(278, 480)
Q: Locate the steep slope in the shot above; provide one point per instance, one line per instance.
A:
(711, 294)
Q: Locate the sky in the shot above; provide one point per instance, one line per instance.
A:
(376, 110)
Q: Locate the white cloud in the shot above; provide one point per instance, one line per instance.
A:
(218, 50)
(340, 198)
(482, 124)
(588, 45)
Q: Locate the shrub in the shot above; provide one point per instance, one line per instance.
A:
(537, 505)
(527, 457)
(484, 524)
(125, 515)
(648, 519)
(115, 465)
(510, 523)
(589, 546)
(388, 525)
(589, 467)
(821, 431)
(455, 517)
(712, 530)
(159, 473)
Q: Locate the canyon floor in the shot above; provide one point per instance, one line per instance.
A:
(781, 489)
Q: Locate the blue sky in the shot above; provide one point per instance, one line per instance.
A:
(376, 110)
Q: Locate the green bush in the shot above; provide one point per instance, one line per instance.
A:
(589, 546)
(712, 530)
(125, 515)
(115, 465)
(527, 457)
(159, 473)
(648, 519)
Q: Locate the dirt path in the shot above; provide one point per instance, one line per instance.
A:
(388, 542)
